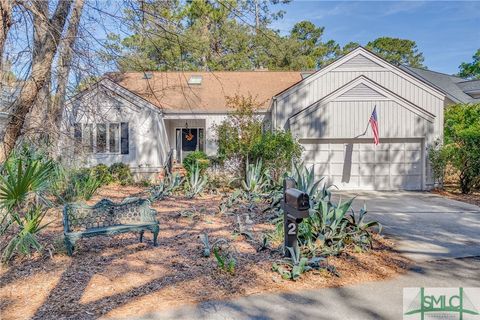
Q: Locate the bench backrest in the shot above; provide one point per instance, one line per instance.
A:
(106, 213)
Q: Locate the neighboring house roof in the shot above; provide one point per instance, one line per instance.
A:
(171, 91)
(454, 87)
(470, 85)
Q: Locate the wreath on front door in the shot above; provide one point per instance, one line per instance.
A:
(189, 136)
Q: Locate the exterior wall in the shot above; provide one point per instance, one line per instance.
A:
(148, 143)
(349, 119)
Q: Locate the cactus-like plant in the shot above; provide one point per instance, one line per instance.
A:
(196, 182)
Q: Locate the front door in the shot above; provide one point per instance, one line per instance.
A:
(188, 140)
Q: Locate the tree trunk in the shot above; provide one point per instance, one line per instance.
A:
(5, 24)
(47, 34)
(54, 116)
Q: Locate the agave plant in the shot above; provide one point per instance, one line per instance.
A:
(293, 268)
(330, 228)
(305, 179)
(360, 228)
(166, 187)
(196, 182)
(256, 179)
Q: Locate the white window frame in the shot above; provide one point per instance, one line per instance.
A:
(94, 149)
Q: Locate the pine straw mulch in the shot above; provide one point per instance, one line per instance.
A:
(455, 194)
(120, 277)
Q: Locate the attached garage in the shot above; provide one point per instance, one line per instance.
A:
(357, 164)
(329, 113)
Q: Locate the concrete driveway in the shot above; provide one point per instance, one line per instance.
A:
(425, 226)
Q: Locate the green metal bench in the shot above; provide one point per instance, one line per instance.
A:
(108, 218)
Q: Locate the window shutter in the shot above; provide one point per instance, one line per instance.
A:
(124, 137)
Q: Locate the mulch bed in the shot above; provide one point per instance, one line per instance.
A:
(455, 194)
(120, 277)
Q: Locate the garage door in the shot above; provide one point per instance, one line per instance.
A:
(395, 164)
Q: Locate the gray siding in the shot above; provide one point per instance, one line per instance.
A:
(349, 119)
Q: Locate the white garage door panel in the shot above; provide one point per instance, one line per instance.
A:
(392, 165)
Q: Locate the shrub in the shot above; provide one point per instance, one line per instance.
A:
(196, 158)
(277, 150)
(102, 173)
(241, 130)
(462, 143)
(81, 184)
(438, 161)
(121, 173)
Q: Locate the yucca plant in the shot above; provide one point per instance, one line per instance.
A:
(196, 182)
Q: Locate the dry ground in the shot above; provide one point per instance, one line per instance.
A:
(117, 277)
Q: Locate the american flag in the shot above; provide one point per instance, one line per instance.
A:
(374, 124)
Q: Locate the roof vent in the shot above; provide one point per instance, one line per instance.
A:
(147, 75)
(195, 80)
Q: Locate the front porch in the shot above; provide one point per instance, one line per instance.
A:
(185, 136)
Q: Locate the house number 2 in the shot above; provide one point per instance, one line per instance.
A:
(292, 228)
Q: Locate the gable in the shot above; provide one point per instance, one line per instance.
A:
(362, 92)
(358, 62)
(113, 91)
(360, 56)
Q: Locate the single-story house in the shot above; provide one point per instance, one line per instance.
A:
(146, 119)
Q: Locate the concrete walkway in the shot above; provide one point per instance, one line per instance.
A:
(435, 232)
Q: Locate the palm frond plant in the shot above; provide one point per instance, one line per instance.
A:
(23, 203)
(196, 182)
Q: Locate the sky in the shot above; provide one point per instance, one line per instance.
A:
(447, 32)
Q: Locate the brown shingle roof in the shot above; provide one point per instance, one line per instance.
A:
(171, 92)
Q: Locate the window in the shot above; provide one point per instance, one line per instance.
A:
(114, 133)
(101, 138)
(88, 137)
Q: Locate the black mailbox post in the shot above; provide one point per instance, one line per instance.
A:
(295, 207)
